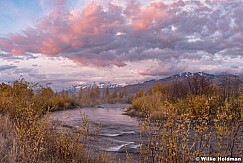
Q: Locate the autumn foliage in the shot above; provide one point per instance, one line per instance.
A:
(188, 119)
(27, 135)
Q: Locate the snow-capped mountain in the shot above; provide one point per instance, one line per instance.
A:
(132, 88)
(101, 85)
(214, 78)
(190, 74)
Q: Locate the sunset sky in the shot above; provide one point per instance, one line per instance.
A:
(67, 42)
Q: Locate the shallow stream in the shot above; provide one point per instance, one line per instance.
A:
(118, 133)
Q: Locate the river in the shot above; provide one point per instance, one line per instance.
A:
(119, 133)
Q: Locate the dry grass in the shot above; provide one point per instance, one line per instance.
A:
(26, 135)
(7, 140)
(42, 143)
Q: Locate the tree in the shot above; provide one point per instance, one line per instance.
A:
(230, 86)
(140, 93)
(158, 87)
(80, 94)
(122, 93)
(114, 95)
(107, 93)
(198, 84)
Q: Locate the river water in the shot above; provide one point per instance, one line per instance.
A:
(119, 133)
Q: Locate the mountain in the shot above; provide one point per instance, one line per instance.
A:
(133, 88)
(181, 77)
(101, 85)
(186, 75)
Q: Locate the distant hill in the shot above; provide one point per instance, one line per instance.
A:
(133, 88)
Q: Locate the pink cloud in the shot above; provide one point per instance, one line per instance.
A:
(49, 47)
(17, 51)
(60, 31)
(5, 43)
(143, 17)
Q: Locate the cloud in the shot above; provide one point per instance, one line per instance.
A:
(16, 58)
(143, 18)
(164, 68)
(6, 67)
(174, 33)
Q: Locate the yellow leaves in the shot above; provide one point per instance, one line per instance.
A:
(147, 104)
(37, 140)
(193, 126)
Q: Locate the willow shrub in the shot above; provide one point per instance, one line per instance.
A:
(192, 126)
(180, 138)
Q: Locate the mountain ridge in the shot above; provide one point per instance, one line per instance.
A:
(133, 88)
(214, 78)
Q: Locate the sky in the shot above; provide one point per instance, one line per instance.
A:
(69, 42)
